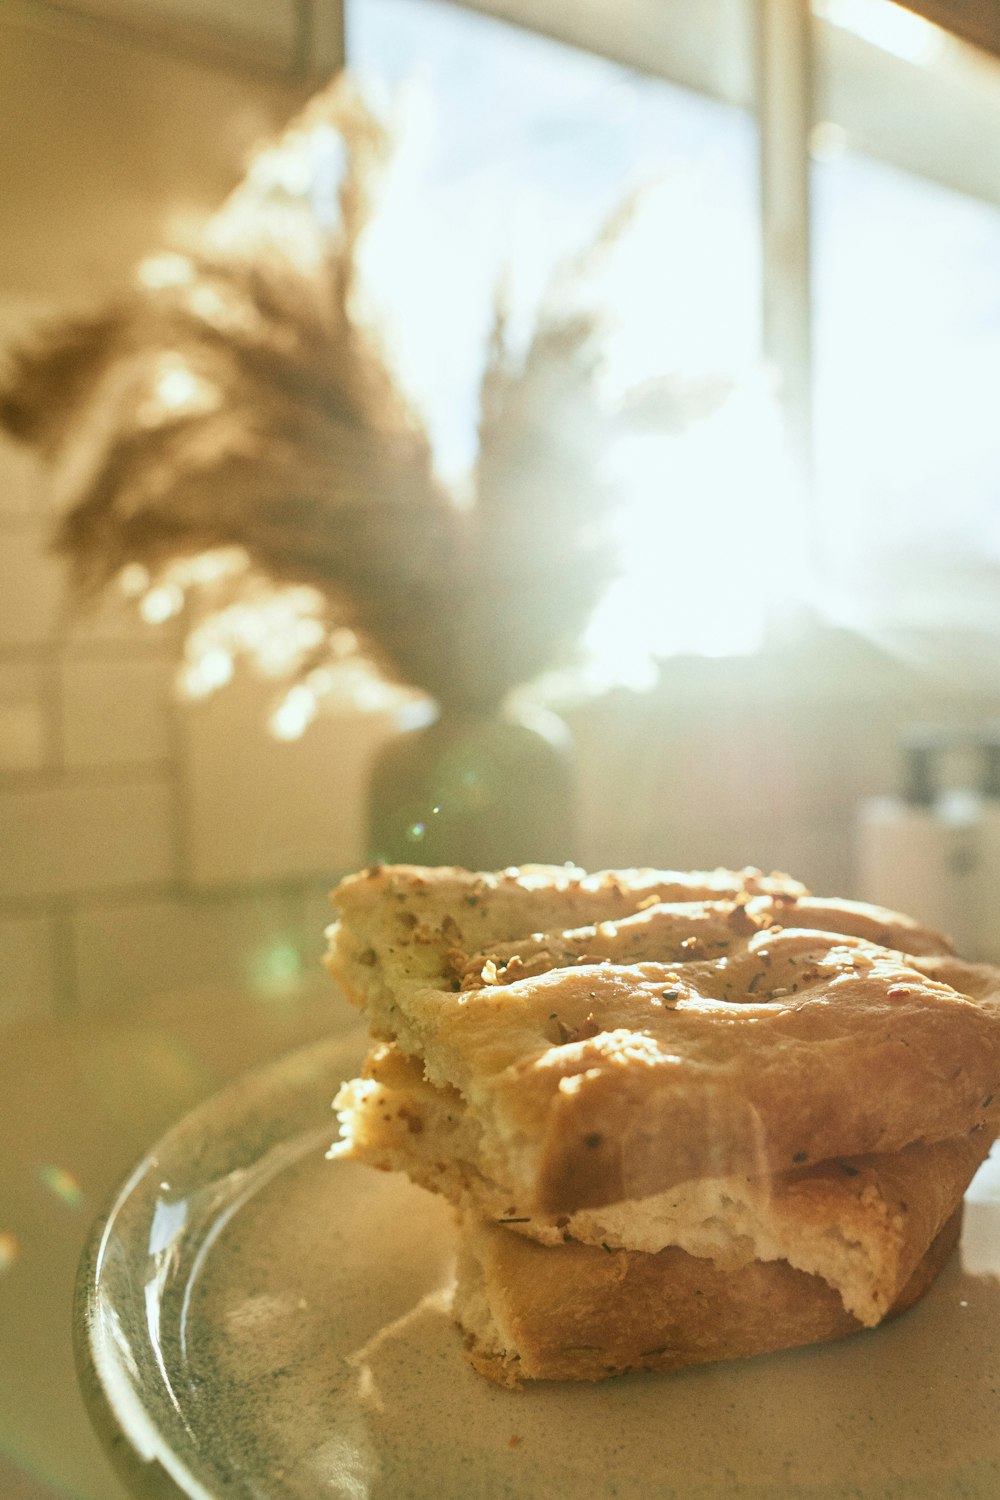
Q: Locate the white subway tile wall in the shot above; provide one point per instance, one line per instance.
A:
(22, 479)
(28, 980)
(148, 847)
(116, 710)
(97, 846)
(318, 916)
(31, 594)
(148, 948)
(112, 620)
(255, 806)
(82, 835)
(27, 730)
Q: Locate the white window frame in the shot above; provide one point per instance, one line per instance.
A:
(797, 68)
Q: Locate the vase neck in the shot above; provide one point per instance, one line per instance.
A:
(470, 708)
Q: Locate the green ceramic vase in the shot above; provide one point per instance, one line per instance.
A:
(482, 786)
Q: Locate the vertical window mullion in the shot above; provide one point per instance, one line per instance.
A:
(785, 109)
(320, 35)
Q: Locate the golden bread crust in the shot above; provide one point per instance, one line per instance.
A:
(582, 1313)
(750, 1045)
(866, 1056)
(399, 924)
(685, 1117)
(683, 932)
(860, 1222)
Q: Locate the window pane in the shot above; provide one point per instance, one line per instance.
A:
(533, 142)
(907, 305)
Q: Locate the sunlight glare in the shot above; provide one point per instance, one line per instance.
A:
(176, 391)
(207, 672)
(177, 387)
(9, 1249)
(886, 26)
(709, 545)
(134, 580)
(294, 714)
(168, 269)
(161, 603)
(62, 1184)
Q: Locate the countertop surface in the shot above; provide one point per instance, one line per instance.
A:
(82, 1100)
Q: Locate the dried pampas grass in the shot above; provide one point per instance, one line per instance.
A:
(235, 398)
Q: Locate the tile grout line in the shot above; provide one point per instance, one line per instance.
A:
(180, 782)
(66, 976)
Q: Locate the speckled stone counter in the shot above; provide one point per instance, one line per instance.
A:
(81, 1100)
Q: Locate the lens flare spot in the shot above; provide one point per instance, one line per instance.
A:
(9, 1249)
(161, 603)
(277, 967)
(134, 580)
(211, 670)
(294, 714)
(165, 270)
(62, 1184)
(416, 832)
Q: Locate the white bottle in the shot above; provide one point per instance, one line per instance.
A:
(917, 852)
(988, 877)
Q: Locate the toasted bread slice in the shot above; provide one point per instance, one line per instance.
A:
(406, 927)
(579, 1312)
(698, 1038)
(861, 1223)
(683, 1117)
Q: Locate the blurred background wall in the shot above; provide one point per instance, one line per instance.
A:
(124, 127)
(150, 846)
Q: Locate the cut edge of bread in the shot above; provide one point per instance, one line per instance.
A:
(860, 1223)
(533, 1312)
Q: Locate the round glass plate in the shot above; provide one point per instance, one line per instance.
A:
(255, 1322)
